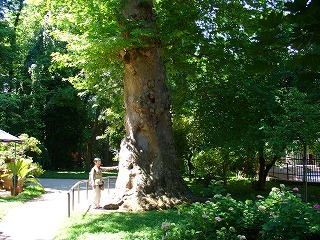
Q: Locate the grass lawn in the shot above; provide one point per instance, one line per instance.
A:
(109, 226)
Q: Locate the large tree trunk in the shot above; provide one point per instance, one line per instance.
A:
(261, 183)
(149, 175)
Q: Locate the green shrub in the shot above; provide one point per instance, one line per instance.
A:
(282, 215)
(208, 163)
(289, 217)
(24, 166)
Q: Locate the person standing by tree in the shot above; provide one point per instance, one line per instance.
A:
(96, 181)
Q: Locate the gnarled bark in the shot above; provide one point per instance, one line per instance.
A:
(148, 169)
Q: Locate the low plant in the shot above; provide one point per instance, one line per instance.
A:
(289, 217)
(281, 215)
(14, 159)
(24, 168)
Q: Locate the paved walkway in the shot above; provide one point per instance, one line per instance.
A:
(40, 219)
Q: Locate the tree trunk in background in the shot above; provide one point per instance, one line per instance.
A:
(13, 44)
(261, 183)
(149, 175)
(264, 169)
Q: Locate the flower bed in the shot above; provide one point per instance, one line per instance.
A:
(281, 215)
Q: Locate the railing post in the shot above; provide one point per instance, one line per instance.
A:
(72, 199)
(71, 191)
(305, 176)
(79, 192)
(69, 204)
(108, 185)
(87, 188)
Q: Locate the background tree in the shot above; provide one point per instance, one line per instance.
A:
(26, 99)
(286, 31)
(9, 49)
(234, 98)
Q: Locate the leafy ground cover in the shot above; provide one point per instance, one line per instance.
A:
(280, 215)
(241, 189)
(234, 212)
(9, 202)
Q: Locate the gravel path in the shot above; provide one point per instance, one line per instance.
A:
(39, 219)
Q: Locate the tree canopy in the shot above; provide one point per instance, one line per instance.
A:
(243, 78)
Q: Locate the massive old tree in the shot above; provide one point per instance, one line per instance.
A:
(109, 31)
(148, 174)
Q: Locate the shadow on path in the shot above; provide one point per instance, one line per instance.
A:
(38, 219)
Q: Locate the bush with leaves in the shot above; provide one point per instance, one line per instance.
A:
(208, 163)
(289, 217)
(25, 167)
(282, 215)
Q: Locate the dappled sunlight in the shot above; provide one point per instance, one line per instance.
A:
(113, 225)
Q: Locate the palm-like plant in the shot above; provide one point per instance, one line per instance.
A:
(24, 169)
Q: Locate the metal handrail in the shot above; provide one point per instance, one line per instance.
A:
(70, 193)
